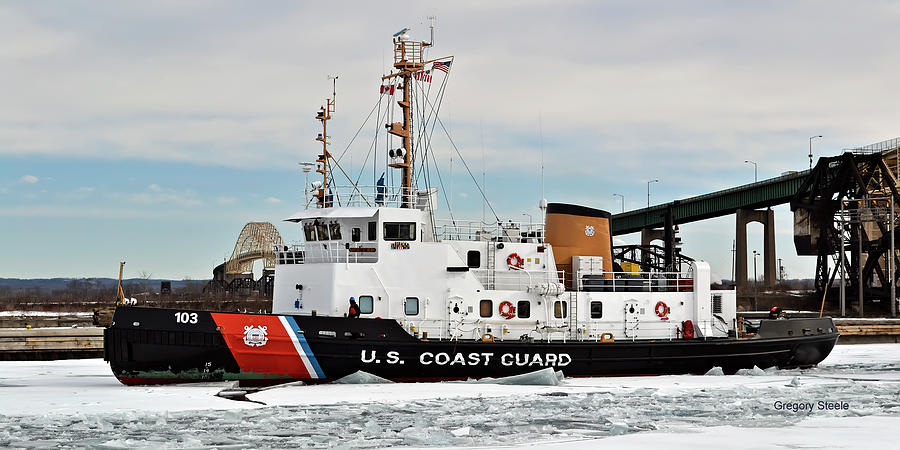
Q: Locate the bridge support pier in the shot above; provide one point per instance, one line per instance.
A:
(667, 235)
(648, 235)
(767, 219)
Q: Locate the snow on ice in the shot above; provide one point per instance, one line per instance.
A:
(851, 400)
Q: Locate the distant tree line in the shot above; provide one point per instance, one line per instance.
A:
(83, 294)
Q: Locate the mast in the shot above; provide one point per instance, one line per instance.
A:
(407, 61)
(120, 294)
(323, 198)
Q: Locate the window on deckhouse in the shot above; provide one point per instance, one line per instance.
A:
(596, 310)
(322, 231)
(366, 304)
(486, 308)
(560, 310)
(309, 230)
(411, 306)
(399, 231)
(473, 259)
(335, 230)
(524, 309)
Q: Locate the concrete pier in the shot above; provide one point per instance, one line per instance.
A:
(50, 343)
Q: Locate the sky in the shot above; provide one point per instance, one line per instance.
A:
(151, 132)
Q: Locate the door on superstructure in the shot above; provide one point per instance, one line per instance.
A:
(632, 318)
(456, 316)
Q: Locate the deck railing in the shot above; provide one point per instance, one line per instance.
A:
(877, 147)
(325, 252)
(640, 282)
(470, 230)
(564, 329)
(390, 196)
(515, 280)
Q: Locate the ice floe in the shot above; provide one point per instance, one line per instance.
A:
(80, 404)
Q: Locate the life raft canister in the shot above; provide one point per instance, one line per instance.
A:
(662, 310)
(687, 328)
(514, 260)
(507, 309)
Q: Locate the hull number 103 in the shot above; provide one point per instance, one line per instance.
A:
(184, 317)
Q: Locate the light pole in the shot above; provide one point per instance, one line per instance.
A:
(755, 280)
(755, 167)
(810, 149)
(648, 191)
(530, 220)
(780, 271)
(623, 200)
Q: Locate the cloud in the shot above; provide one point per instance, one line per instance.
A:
(73, 212)
(30, 179)
(224, 200)
(156, 195)
(695, 80)
(80, 194)
(22, 39)
(273, 200)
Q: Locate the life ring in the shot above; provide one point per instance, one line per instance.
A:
(514, 260)
(487, 337)
(607, 337)
(662, 310)
(507, 309)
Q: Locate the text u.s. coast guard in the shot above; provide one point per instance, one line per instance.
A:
(472, 359)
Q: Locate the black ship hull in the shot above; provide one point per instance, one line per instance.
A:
(153, 346)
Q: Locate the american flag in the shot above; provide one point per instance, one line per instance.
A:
(424, 76)
(442, 65)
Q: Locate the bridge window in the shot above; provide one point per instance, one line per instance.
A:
(411, 306)
(524, 309)
(366, 304)
(473, 258)
(372, 230)
(596, 310)
(560, 309)
(335, 231)
(322, 230)
(310, 231)
(399, 231)
(355, 235)
(486, 308)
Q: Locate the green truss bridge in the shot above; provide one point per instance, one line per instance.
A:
(762, 194)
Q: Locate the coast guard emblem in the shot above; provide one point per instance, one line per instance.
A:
(255, 336)
(588, 230)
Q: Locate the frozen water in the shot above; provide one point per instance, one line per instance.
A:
(80, 404)
(715, 371)
(543, 377)
(460, 432)
(754, 372)
(360, 377)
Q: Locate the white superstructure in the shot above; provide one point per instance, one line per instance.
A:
(452, 281)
